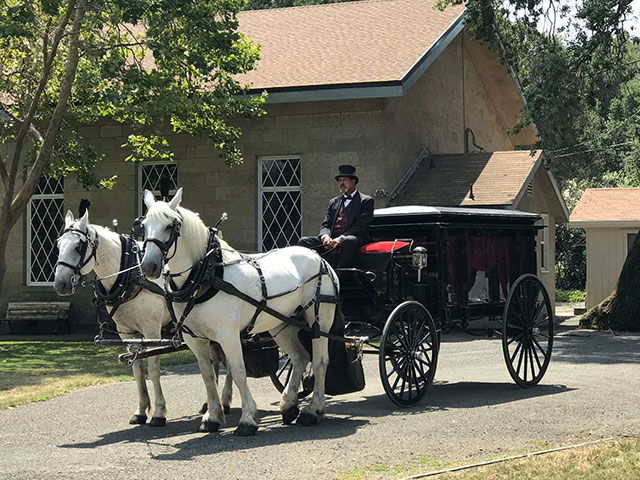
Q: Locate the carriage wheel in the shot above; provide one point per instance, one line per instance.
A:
(527, 331)
(408, 353)
(283, 374)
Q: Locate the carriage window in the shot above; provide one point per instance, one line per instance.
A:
(152, 176)
(544, 243)
(46, 219)
(279, 202)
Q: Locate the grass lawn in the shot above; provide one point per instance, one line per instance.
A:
(34, 370)
(613, 460)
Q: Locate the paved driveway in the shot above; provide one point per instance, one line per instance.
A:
(474, 410)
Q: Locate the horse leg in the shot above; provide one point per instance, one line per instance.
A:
(227, 392)
(248, 424)
(312, 413)
(287, 339)
(213, 418)
(144, 402)
(160, 407)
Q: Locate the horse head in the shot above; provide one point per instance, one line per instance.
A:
(77, 246)
(161, 229)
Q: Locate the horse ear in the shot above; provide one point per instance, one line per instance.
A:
(149, 199)
(68, 219)
(84, 221)
(177, 198)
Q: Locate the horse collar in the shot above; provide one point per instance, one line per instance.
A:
(199, 285)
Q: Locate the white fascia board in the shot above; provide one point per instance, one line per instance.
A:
(337, 92)
(605, 224)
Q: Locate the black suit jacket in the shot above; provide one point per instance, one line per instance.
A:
(360, 218)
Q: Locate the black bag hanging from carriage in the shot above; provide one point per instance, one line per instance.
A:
(261, 357)
(344, 373)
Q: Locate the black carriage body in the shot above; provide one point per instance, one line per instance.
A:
(473, 258)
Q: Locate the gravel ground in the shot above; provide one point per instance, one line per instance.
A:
(474, 410)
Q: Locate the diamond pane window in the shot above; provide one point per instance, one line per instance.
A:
(280, 202)
(46, 219)
(151, 177)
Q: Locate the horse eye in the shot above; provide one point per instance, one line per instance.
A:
(169, 227)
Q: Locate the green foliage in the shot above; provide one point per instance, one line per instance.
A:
(571, 296)
(143, 63)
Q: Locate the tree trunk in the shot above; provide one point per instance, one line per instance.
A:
(14, 206)
(621, 309)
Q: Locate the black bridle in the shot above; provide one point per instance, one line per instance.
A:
(84, 242)
(137, 231)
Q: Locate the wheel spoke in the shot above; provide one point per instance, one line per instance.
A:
(517, 338)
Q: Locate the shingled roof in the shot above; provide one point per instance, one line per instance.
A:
(599, 206)
(369, 42)
(471, 179)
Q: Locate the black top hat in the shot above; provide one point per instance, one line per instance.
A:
(348, 171)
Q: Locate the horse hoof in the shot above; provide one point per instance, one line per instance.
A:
(158, 422)
(289, 415)
(307, 420)
(226, 408)
(245, 430)
(204, 409)
(208, 426)
(138, 420)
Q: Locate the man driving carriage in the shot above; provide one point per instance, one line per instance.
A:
(346, 224)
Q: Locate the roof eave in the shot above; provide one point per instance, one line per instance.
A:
(355, 91)
(554, 184)
(631, 224)
(319, 93)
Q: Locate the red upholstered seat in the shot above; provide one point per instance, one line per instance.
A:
(386, 246)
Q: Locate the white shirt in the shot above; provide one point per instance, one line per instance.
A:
(347, 201)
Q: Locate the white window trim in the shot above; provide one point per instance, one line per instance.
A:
(274, 189)
(155, 192)
(544, 244)
(37, 196)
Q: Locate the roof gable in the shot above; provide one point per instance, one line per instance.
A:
(602, 205)
(365, 43)
(469, 179)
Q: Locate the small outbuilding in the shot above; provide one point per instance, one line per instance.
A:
(611, 219)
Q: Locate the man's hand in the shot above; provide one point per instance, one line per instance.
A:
(330, 243)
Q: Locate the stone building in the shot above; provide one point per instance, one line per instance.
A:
(379, 84)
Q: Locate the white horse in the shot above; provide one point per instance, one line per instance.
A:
(84, 247)
(289, 277)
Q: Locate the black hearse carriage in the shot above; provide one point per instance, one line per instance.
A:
(432, 268)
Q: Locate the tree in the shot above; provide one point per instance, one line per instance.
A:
(144, 63)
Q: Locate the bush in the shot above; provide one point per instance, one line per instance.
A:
(571, 296)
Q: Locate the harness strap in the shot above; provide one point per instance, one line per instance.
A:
(232, 290)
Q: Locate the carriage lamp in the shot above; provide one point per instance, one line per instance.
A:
(419, 259)
(114, 222)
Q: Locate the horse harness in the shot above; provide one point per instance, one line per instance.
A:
(128, 284)
(84, 242)
(206, 280)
